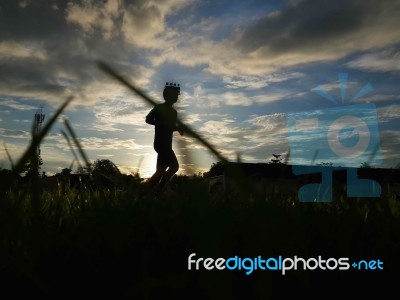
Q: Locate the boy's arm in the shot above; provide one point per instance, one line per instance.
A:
(151, 118)
(177, 126)
(179, 129)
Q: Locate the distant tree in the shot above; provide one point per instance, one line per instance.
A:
(276, 159)
(66, 172)
(105, 173)
(216, 169)
(82, 170)
(325, 164)
(365, 165)
(105, 166)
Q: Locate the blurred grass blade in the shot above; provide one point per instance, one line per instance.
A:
(72, 164)
(373, 154)
(287, 157)
(103, 66)
(8, 155)
(314, 157)
(37, 138)
(139, 165)
(70, 146)
(77, 143)
(189, 131)
(186, 157)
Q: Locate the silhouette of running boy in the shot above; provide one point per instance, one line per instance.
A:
(164, 117)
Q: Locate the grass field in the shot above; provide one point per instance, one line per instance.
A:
(128, 242)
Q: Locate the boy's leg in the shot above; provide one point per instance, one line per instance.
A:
(173, 167)
(160, 171)
(155, 178)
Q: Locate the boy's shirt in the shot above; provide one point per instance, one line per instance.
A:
(167, 115)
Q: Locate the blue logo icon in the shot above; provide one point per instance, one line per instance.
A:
(344, 137)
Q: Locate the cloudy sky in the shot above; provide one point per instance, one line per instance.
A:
(243, 67)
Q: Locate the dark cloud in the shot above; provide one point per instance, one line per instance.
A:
(39, 19)
(58, 56)
(30, 78)
(311, 22)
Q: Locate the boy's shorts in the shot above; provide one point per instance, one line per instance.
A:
(167, 158)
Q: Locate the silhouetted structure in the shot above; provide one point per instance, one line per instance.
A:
(39, 118)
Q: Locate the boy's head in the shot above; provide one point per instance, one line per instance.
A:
(171, 92)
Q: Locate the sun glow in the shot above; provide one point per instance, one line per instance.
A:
(147, 165)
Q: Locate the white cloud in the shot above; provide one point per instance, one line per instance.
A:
(388, 113)
(112, 112)
(17, 105)
(221, 134)
(254, 139)
(109, 90)
(268, 123)
(335, 86)
(266, 47)
(144, 22)
(105, 155)
(16, 134)
(238, 99)
(93, 143)
(332, 30)
(30, 91)
(258, 81)
(269, 98)
(233, 99)
(12, 49)
(390, 147)
(89, 16)
(381, 61)
(190, 118)
(14, 150)
(378, 98)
